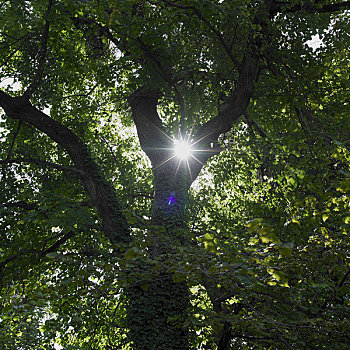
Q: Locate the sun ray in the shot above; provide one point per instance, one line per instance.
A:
(166, 161)
(177, 169)
(196, 159)
(189, 169)
(162, 132)
(202, 138)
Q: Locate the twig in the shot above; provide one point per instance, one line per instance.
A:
(79, 95)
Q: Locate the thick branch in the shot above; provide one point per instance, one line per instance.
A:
(182, 112)
(102, 194)
(157, 144)
(228, 113)
(153, 138)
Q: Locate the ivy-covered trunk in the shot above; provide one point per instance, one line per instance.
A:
(156, 314)
(158, 305)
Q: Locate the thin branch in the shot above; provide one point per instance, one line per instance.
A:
(211, 27)
(36, 206)
(7, 260)
(79, 95)
(344, 278)
(9, 57)
(158, 65)
(21, 204)
(42, 163)
(56, 245)
(225, 297)
(310, 8)
(9, 35)
(143, 194)
(15, 40)
(252, 122)
(341, 6)
(14, 139)
(88, 21)
(304, 126)
(40, 254)
(42, 54)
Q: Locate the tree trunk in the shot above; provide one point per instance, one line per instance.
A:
(156, 313)
(158, 305)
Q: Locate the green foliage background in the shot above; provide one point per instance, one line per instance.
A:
(268, 218)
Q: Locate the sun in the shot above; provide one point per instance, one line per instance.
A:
(183, 150)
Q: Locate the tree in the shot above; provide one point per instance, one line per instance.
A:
(243, 244)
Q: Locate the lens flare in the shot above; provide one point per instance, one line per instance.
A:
(183, 150)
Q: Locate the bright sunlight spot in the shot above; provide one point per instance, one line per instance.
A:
(182, 149)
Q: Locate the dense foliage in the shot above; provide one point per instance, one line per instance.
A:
(265, 253)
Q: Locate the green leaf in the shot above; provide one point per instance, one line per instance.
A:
(133, 253)
(208, 236)
(178, 277)
(254, 222)
(133, 220)
(52, 255)
(285, 251)
(145, 287)
(210, 247)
